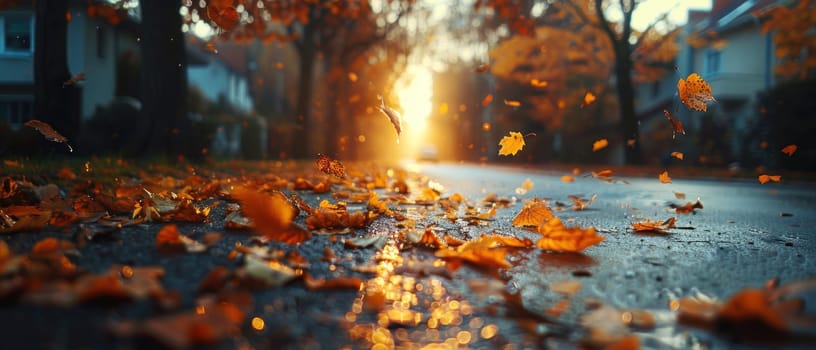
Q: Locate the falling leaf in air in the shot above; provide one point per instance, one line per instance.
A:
(654, 226)
(74, 79)
(677, 126)
(271, 214)
(487, 99)
(599, 145)
(534, 213)
(352, 77)
(557, 237)
(694, 92)
(567, 178)
(482, 68)
(678, 155)
(664, 177)
(538, 83)
(763, 179)
(49, 132)
(688, 208)
(579, 203)
(393, 116)
(512, 103)
(510, 145)
(588, 99)
(789, 150)
(330, 166)
(526, 186)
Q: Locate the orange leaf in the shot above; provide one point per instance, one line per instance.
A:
(588, 98)
(678, 155)
(512, 103)
(694, 92)
(487, 99)
(653, 226)
(510, 145)
(330, 166)
(224, 17)
(579, 204)
(664, 177)
(168, 236)
(557, 237)
(533, 214)
(482, 68)
(567, 178)
(789, 150)
(49, 132)
(487, 251)
(599, 145)
(538, 83)
(271, 215)
(687, 208)
(345, 282)
(766, 178)
(676, 125)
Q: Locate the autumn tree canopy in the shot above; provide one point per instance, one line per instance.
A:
(583, 26)
(794, 35)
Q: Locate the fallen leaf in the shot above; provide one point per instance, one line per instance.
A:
(664, 177)
(271, 215)
(428, 238)
(677, 126)
(694, 92)
(789, 150)
(486, 250)
(512, 144)
(654, 226)
(679, 195)
(566, 287)
(567, 178)
(678, 155)
(48, 132)
(271, 273)
(376, 241)
(345, 282)
(767, 178)
(330, 166)
(599, 145)
(557, 237)
(534, 213)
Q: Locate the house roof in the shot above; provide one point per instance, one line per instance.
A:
(729, 14)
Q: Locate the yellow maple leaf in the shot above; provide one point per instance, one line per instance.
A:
(694, 92)
(557, 237)
(533, 214)
(510, 145)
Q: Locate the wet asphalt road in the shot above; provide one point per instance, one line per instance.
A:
(740, 239)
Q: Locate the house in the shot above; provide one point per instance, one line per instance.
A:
(221, 73)
(726, 47)
(96, 47)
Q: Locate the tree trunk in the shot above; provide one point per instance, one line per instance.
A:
(164, 125)
(304, 98)
(626, 105)
(54, 102)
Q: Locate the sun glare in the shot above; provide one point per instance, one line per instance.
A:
(414, 90)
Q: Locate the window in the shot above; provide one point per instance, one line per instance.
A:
(17, 33)
(101, 42)
(15, 111)
(712, 62)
